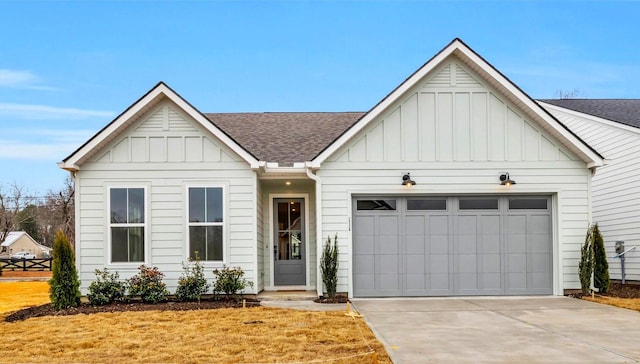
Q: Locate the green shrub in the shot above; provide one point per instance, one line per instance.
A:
(106, 289)
(148, 285)
(585, 267)
(192, 283)
(230, 281)
(329, 266)
(600, 264)
(64, 285)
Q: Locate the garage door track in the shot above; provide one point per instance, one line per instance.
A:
(503, 330)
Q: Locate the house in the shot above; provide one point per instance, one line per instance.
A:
(263, 191)
(612, 127)
(20, 241)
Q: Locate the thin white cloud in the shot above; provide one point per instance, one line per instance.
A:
(22, 79)
(10, 149)
(44, 112)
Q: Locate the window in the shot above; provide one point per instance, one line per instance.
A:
(528, 203)
(478, 204)
(376, 205)
(206, 225)
(427, 204)
(127, 224)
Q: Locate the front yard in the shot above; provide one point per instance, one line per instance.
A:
(251, 335)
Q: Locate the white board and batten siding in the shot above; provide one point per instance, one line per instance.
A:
(616, 186)
(455, 134)
(165, 152)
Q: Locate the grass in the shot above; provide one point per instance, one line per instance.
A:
(630, 303)
(251, 335)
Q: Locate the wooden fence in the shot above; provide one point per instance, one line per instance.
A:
(25, 264)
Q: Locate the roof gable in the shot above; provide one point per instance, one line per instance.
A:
(14, 236)
(123, 121)
(490, 76)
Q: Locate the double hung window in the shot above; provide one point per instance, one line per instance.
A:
(206, 223)
(127, 223)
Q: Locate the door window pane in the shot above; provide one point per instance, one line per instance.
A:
(527, 204)
(363, 205)
(479, 204)
(289, 245)
(427, 204)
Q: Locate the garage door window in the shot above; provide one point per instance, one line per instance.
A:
(527, 203)
(427, 204)
(479, 204)
(364, 205)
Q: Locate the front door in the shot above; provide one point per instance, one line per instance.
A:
(289, 242)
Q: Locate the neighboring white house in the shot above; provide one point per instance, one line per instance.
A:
(20, 241)
(613, 128)
(263, 191)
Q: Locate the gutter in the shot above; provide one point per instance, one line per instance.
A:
(318, 181)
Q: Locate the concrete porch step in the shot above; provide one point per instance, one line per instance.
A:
(287, 296)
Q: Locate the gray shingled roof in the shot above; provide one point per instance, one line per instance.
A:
(624, 111)
(284, 137)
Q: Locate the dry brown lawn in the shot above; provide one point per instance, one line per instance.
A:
(251, 335)
(630, 303)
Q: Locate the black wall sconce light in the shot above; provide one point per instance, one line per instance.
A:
(407, 181)
(505, 180)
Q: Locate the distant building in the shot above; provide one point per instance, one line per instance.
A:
(18, 241)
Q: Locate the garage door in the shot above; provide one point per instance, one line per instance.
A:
(447, 246)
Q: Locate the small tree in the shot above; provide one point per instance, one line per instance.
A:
(329, 266)
(585, 267)
(600, 264)
(64, 286)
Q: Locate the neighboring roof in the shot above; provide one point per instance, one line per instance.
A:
(624, 111)
(284, 137)
(13, 236)
(159, 92)
(492, 76)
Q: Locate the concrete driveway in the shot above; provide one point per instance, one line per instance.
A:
(503, 330)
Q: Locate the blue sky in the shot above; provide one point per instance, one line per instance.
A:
(68, 68)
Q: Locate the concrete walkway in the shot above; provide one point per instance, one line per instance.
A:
(503, 330)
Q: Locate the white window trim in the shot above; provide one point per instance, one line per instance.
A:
(224, 223)
(144, 225)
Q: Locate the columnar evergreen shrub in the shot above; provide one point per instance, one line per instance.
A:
(192, 283)
(64, 285)
(230, 281)
(585, 267)
(148, 285)
(329, 266)
(600, 264)
(107, 288)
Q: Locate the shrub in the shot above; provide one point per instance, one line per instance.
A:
(600, 264)
(585, 267)
(64, 285)
(329, 266)
(106, 289)
(148, 285)
(230, 281)
(192, 283)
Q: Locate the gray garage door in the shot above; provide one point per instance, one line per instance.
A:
(446, 246)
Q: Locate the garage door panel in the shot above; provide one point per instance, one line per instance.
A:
(467, 244)
(415, 244)
(387, 244)
(490, 248)
(388, 225)
(439, 244)
(438, 225)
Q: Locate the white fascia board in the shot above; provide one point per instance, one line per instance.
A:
(74, 161)
(589, 117)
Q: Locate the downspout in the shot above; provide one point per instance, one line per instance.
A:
(316, 178)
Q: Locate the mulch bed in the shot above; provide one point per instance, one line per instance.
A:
(335, 299)
(631, 289)
(86, 308)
